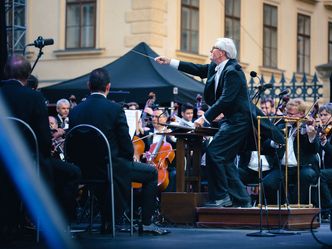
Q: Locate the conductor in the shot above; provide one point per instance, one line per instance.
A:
(226, 93)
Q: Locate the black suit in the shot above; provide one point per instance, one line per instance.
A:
(309, 170)
(326, 173)
(29, 105)
(231, 99)
(110, 118)
(61, 122)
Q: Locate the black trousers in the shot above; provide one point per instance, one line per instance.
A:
(223, 176)
(148, 176)
(66, 178)
(141, 173)
(326, 187)
(308, 175)
(61, 179)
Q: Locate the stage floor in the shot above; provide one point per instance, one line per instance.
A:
(194, 238)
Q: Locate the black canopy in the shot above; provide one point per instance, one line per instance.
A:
(133, 76)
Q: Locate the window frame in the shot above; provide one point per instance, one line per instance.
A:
(329, 42)
(191, 8)
(301, 68)
(234, 19)
(273, 29)
(81, 26)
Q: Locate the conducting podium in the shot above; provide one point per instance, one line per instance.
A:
(179, 206)
(188, 156)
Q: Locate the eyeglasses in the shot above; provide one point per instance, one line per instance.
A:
(213, 48)
(160, 116)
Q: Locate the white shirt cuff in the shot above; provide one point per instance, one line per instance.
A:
(205, 119)
(174, 63)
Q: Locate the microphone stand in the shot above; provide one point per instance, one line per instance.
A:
(257, 95)
(278, 105)
(38, 57)
(280, 230)
(261, 233)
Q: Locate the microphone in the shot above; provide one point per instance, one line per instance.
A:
(261, 87)
(264, 87)
(253, 74)
(40, 42)
(284, 92)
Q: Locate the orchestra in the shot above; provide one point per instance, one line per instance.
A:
(296, 146)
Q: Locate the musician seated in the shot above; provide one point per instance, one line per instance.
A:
(187, 114)
(110, 118)
(28, 105)
(62, 108)
(269, 160)
(267, 106)
(309, 144)
(325, 150)
(57, 138)
(152, 137)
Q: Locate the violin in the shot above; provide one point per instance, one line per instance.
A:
(282, 105)
(327, 131)
(313, 113)
(327, 128)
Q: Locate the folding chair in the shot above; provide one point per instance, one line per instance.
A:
(86, 146)
(32, 143)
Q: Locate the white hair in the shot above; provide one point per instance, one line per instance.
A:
(227, 45)
(62, 101)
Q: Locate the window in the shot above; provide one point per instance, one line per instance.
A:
(330, 42)
(270, 36)
(232, 21)
(80, 24)
(189, 25)
(303, 44)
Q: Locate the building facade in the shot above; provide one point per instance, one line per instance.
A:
(273, 36)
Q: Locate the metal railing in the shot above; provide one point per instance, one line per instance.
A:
(307, 90)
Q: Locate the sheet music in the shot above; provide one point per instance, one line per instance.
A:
(131, 120)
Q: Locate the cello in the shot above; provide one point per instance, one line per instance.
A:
(138, 152)
(160, 155)
(139, 148)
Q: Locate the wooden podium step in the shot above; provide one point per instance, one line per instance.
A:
(180, 207)
(292, 218)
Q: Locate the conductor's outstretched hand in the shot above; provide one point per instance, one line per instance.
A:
(163, 60)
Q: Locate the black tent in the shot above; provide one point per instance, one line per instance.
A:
(133, 76)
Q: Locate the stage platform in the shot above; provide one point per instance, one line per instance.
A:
(186, 208)
(290, 218)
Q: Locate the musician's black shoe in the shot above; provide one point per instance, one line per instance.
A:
(243, 205)
(152, 230)
(225, 202)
